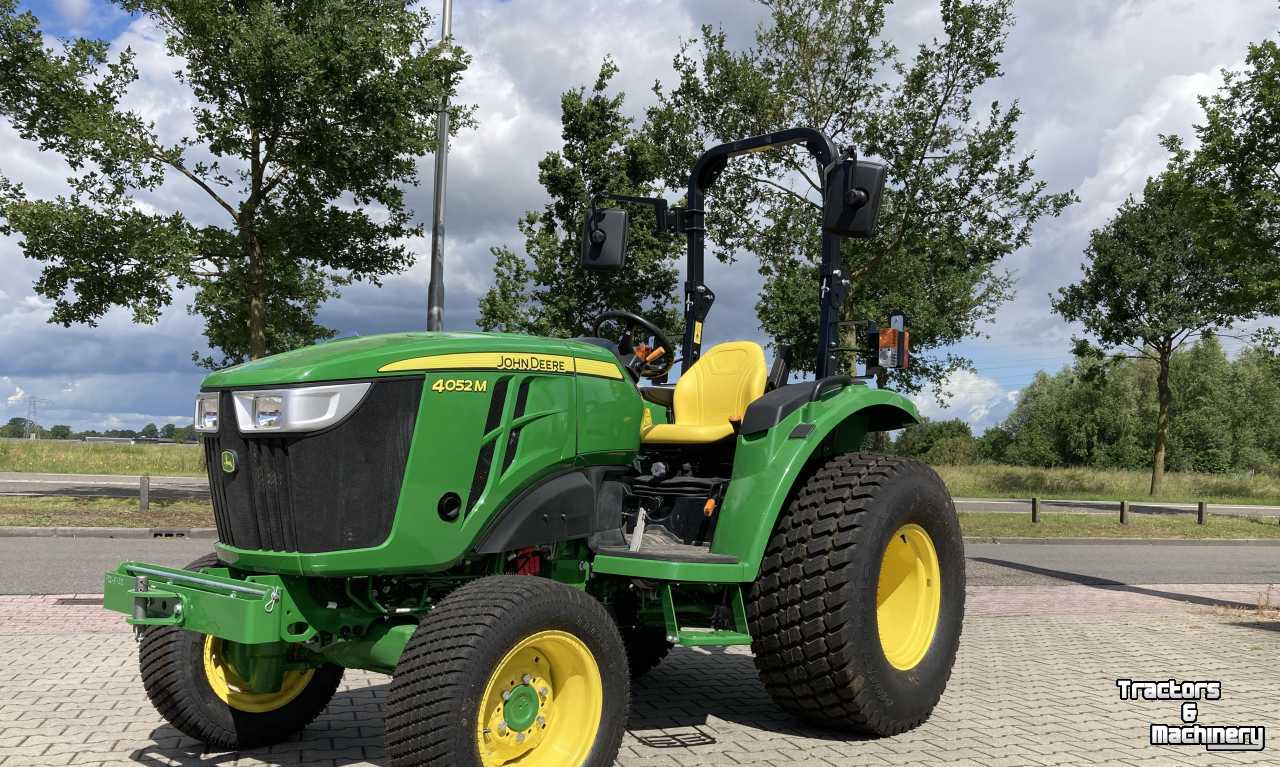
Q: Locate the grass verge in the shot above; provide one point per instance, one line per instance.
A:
(999, 481)
(25, 511)
(1051, 525)
(72, 457)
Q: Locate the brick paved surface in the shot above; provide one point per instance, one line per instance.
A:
(1034, 685)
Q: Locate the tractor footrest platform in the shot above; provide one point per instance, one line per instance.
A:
(670, 552)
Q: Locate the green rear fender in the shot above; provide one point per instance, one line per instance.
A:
(768, 464)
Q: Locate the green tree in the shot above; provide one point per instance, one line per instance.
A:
(185, 434)
(15, 428)
(549, 293)
(1200, 432)
(1255, 441)
(1032, 427)
(60, 431)
(917, 440)
(1151, 284)
(150, 431)
(168, 430)
(994, 444)
(959, 196)
(308, 124)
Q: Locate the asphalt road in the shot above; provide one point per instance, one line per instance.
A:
(1022, 564)
(76, 565)
(100, 485)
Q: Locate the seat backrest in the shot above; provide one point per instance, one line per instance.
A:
(721, 384)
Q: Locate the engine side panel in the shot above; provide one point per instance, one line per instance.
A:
(609, 416)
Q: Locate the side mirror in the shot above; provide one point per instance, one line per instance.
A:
(851, 203)
(604, 239)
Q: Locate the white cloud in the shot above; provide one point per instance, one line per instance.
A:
(74, 12)
(979, 401)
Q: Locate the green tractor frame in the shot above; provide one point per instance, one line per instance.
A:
(514, 527)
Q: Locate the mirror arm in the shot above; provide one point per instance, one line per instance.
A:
(666, 223)
(593, 222)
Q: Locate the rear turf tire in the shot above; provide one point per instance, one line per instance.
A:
(173, 665)
(646, 643)
(813, 610)
(647, 646)
(444, 706)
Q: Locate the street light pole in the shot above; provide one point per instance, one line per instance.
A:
(435, 289)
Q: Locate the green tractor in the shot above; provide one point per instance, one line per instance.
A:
(514, 528)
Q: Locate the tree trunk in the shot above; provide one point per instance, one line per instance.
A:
(253, 246)
(1165, 397)
(257, 296)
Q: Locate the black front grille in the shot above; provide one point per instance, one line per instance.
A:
(322, 491)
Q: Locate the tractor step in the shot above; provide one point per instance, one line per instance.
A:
(706, 637)
(659, 545)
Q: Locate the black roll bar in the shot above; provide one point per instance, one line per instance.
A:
(698, 298)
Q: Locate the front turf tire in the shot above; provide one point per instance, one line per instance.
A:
(174, 674)
(814, 610)
(445, 705)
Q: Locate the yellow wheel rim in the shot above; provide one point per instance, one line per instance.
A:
(908, 597)
(542, 705)
(233, 690)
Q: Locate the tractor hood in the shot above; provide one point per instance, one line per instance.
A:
(394, 354)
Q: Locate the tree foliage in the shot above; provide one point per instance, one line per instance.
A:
(17, 427)
(549, 293)
(959, 196)
(22, 427)
(1102, 415)
(307, 123)
(1237, 165)
(949, 442)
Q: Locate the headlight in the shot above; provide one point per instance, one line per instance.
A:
(296, 409)
(268, 411)
(207, 412)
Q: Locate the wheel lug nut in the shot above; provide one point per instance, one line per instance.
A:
(542, 692)
(542, 721)
(506, 695)
(520, 738)
(502, 729)
(526, 679)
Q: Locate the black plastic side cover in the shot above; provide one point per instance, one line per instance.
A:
(769, 410)
(566, 506)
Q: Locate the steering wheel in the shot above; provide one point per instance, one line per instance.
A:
(642, 359)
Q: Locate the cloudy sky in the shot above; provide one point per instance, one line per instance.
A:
(1098, 81)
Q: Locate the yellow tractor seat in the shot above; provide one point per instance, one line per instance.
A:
(714, 392)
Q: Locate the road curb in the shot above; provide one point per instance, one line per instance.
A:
(108, 532)
(1132, 541)
(210, 533)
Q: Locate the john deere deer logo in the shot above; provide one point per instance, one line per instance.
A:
(229, 461)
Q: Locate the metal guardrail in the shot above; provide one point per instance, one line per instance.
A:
(1126, 508)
